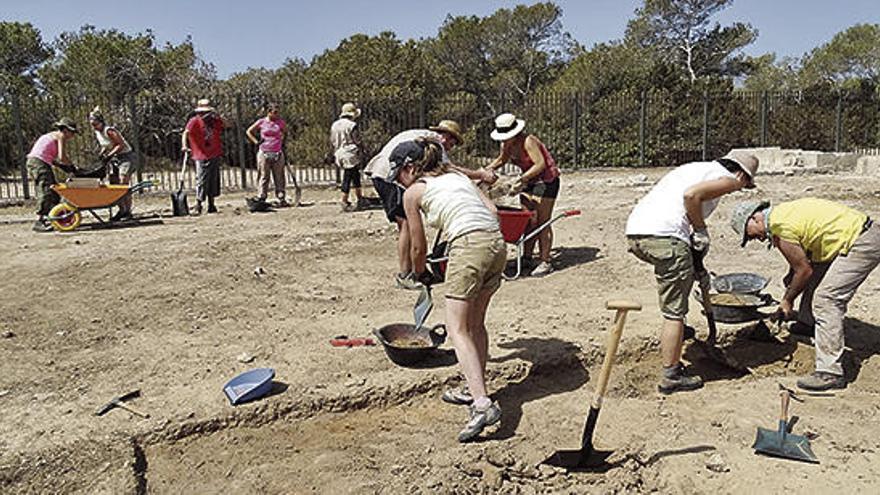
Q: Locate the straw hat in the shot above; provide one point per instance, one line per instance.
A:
(507, 126)
(746, 161)
(66, 123)
(350, 110)
(451, 127)
(203, 105)
(95, 115)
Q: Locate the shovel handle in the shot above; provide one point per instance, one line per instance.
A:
(785, 399)
(132, 410)
(621, 308)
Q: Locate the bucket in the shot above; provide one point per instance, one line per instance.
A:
(513, 223)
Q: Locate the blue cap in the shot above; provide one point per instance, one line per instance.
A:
(403, 154)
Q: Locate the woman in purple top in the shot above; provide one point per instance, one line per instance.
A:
(270, 156)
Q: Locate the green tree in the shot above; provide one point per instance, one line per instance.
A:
(852, 55)
(511, 52)
(22, 50)
(684, 32)
(766, 73)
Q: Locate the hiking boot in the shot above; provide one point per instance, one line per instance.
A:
(458, 396)
(362, 203)
(542, 269)
(690, 333)
(480, 418)
(677, 380)
(212, 208)
(407, 281)
(803, 329)
(197, 210)
(282, 203)
(42, 225)
(818, 381)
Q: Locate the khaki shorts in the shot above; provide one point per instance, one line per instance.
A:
(476, 261)
(673, 268)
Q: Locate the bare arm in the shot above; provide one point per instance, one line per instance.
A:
(412, 198)
(538, 163)
(250, 133)
(800, 266)
(502, 158)
(488, 202)
(480, 174)
(705, 191)
(117, 142)
(184, 140)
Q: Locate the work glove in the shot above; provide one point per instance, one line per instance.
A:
(425, 278)
(516, 187)
(700, 240)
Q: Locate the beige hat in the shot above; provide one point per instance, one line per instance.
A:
(507, 126)
(451, 127)
(746, 161)
(204, 105)
(350, 110)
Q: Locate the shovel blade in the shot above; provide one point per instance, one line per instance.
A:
(785, 445)
(179, 208)
(423, 307)
(580, 460)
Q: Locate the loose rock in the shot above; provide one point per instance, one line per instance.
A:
(716, 463)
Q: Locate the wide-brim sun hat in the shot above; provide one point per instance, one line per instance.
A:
(742, 212)
(451, 127)
(66, 123)
(746, 161)
(350, 110)
(507, 126)
(203, 105)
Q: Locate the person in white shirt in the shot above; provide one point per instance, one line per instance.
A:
(346, 142)
(448, 134)
(667, 228)
(477, 254)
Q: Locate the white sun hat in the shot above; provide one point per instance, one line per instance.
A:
(507, 126)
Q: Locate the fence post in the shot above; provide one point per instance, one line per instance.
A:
(643, 110)
(576, 129)
(764, 109)
(240, 134)
(19, 142)
(838, 117)
(705, 124)
(423, 112)
(136, 137)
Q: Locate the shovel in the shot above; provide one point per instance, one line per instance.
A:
(423, 307)
(710, 346)
(781, 443)
(179, 207)
(588, 457)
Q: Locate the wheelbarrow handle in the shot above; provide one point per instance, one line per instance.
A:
(538, 229)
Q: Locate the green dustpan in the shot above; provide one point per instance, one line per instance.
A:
(781, 443)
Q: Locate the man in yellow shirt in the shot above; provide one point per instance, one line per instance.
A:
(831, 249)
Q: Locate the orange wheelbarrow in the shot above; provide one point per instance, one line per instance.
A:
(514, 223)
(87, 195)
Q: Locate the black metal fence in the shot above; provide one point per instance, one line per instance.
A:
(630, 128)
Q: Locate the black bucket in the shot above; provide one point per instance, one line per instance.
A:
(406, 346)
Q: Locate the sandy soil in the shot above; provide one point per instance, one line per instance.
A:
(170, 306)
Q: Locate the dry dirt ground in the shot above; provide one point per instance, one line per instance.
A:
(169, 307)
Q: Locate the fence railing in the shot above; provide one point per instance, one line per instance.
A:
(626, 128)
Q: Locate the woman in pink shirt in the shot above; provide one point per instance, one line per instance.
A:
(270, 156)
(49, 150)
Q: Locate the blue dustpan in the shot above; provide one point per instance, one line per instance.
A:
(249, 385)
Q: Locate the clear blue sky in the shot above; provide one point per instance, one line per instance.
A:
(235, 35)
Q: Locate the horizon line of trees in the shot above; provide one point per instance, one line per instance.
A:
(474, 68)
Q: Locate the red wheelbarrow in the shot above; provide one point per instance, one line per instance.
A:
(88, 195)
(514, 223)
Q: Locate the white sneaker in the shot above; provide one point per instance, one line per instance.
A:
(479, 420)
(542, 269)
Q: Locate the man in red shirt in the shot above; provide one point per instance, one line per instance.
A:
(203, 138)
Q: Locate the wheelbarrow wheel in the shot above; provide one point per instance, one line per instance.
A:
(64, 217)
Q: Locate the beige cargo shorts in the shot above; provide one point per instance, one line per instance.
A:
(673, 268)
(476, 261)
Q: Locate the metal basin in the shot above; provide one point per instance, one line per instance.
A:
(739, 283)
(739, 308)
(405, 345)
